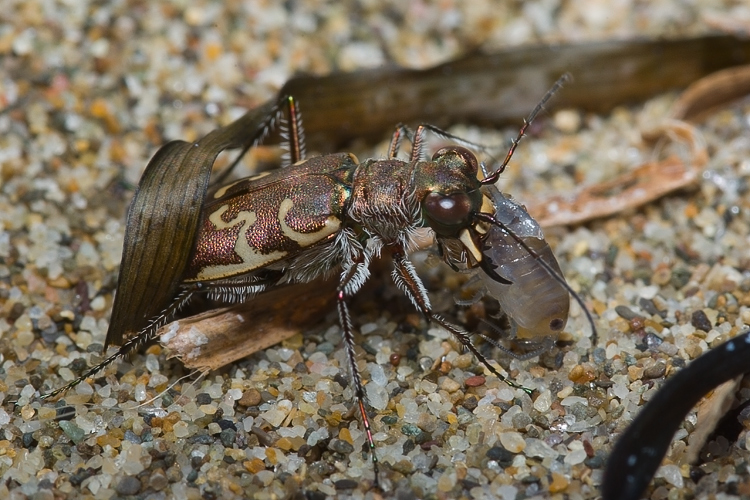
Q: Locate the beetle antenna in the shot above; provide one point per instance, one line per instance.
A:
(492, 178)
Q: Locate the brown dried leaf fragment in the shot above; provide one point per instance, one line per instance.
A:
(652, 180)
(641, 185)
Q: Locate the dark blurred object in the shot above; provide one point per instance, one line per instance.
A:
(641, 448)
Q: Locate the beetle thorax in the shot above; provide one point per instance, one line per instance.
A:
(383, 200)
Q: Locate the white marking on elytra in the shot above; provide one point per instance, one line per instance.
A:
(259, 176)
(223, 189)
(730, 346)
(300, 162)
(251, 259)
(332, 224)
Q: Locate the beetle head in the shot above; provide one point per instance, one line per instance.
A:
(450, 191)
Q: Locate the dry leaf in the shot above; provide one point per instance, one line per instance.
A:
(633, 189)
(711, 409)
(652, 180)
(714, 91)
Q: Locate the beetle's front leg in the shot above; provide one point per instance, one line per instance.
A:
(406, 278)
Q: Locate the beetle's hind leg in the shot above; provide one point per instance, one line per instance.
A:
(133, 343)
(292, 133)
(233, 291)
(406, 278)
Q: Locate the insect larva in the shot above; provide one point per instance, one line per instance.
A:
(529, 294)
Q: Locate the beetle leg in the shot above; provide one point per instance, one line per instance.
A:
(233, 293)
(417, 139)
(265, 126)
(292, 134)
(406, 278)
(417, 152)
(354, 276)
(417, 143)
(239, 290)
(133, 343)
(398, 136)
(408, 281)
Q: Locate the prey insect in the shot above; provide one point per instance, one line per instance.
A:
(513, 275)
(320, 216)
(519, 270)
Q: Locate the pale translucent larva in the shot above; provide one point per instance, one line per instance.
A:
(535, 301)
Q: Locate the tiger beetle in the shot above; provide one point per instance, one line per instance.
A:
(317, 217)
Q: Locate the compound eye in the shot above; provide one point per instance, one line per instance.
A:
(466, 155)
(450, 210)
